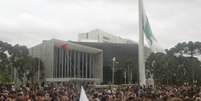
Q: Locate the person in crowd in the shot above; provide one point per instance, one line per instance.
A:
(70, 91)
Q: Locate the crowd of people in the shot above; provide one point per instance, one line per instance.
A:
(70, 91)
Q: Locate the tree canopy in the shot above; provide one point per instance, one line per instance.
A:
(16, 57)
(178, 65)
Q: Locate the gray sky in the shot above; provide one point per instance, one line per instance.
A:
(28, 22)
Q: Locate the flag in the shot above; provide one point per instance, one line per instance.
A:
(65, 47)
(147, 30)
(83, 96)
(62, 45)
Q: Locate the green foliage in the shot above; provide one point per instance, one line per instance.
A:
(17, 57)
(129, 66)
(183, 49)
(4, 61)
(4, 77)
(177, 65)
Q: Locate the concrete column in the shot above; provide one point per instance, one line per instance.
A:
(69, 57)
(66, 66)
(71, 63)
(62, 63)
(74, 68)
(83, 65)
(94, 67)
(55, 63)
(67, 63)
(53, 66)
(78, 64)
(90, 65)
(58, 69)
(86, 65)
(99, 66)
(70, 72)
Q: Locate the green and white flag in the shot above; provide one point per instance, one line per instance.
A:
(147, 30)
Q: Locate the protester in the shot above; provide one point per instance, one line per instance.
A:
(70, 91)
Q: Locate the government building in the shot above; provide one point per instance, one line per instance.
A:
(88, 61)
(100, 36)
(126, 66)
(66, 61)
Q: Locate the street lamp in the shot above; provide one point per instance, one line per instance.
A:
(113, 67)
(129, 74)
(125, 77)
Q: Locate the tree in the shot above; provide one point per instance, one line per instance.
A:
(157, 65)
(17, 56)
(186, 49)
(191, 50)
(177, 65)
(4, 62)
(27, 66)
(34, 65)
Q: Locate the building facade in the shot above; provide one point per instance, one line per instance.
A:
(101, 37)
(65, 61)
(127, 60)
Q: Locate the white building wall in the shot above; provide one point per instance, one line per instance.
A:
(59, 68)
(44, 51)
(101, 36)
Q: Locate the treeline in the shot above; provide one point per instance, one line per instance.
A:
(178, 65)
(16, 64)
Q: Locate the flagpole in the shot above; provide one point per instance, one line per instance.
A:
(142, 78)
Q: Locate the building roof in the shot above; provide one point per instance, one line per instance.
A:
(77, 47)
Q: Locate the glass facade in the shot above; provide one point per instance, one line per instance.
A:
(73, 64)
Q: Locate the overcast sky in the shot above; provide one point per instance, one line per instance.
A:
(28, 22)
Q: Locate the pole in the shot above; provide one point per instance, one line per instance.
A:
(113, 64)
(142, 79)
(112, 72)
(129, 79)
(38, 70)
(125, 77)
